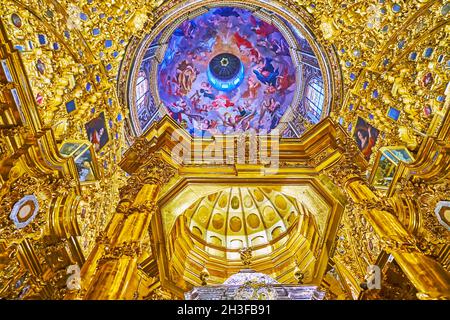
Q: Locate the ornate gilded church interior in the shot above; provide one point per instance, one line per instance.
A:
(209, 149)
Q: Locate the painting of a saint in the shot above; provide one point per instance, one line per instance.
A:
(81, 152)
(366, 137)
(97, 132)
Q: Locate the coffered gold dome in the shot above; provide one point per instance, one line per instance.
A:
(242, 217)
(144, 144)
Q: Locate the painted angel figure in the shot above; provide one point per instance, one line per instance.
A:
(186, 76)
(247, 48)
(267, 74)
(252, 91)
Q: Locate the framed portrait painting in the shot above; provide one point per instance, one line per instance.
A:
(97, 132)
(84, 157)
(366, 136)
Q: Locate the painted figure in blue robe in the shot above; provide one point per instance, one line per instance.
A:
(226, 12)
(207, 94)
(268, 75)
(206, 91)
(177, 109)
(186, 29)
(207, 45)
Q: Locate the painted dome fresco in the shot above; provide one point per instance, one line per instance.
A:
(224, 71)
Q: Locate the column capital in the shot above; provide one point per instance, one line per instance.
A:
(128, 193)
(155, 171)
(351, 164)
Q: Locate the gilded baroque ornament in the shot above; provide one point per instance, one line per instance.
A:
(128, 192)
(129, 249)
(347, 167)
(246, 256)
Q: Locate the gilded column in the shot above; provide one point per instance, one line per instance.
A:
(108, 271)
(428, 276)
